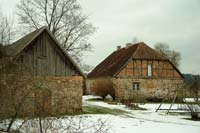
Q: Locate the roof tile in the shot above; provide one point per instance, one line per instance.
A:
(112, 64)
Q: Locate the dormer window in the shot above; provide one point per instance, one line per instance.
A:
(149, 70)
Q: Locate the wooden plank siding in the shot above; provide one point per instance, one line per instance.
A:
(138, 68)
(44, 58)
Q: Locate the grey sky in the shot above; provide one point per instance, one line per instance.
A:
(176, 22)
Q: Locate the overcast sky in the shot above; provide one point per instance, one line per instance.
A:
(176, 22)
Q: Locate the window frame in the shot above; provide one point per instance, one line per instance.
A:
(136, 86)
(149, 70)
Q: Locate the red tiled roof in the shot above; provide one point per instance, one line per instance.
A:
(111, 65)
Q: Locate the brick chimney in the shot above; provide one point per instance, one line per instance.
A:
(128, 44)
(118, 47)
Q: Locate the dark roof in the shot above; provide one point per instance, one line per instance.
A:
(18, 46)
(113, 62)
(1, 50)
(145, 52)
(118, 59)
(15, 48)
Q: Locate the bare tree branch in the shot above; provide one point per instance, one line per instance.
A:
(6, 30)
(172, 55)
(64, 18)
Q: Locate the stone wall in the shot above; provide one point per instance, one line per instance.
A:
(148, 88)
(40, 95)
(66, 94)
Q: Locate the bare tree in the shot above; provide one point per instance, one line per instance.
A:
(162, 47)
(172, 55)
(65, 20)
(6, 30)
(86, 68)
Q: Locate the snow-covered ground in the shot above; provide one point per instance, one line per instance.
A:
(143, 121)
(129, 121)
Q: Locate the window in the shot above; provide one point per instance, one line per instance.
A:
(149, 70)
(136, 86)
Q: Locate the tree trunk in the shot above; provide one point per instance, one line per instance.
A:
(11, 122)
(40, 123)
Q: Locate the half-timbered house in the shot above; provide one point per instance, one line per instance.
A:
(135, 71)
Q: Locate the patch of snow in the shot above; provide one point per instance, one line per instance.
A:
(87, 97)
(189, 99)
(140, 121)
(109, 97)
(143, 121)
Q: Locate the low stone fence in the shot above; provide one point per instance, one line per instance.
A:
(34, 96)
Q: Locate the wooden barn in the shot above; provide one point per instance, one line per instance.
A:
(135, 72)
(58, 79)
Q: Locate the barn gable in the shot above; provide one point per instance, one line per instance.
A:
(40, 52)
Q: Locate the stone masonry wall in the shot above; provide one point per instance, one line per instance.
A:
(148, 88)
(66, 94)
(40, 95)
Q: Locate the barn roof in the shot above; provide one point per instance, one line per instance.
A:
(1, 50)
(18, 46)
(118, 59)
